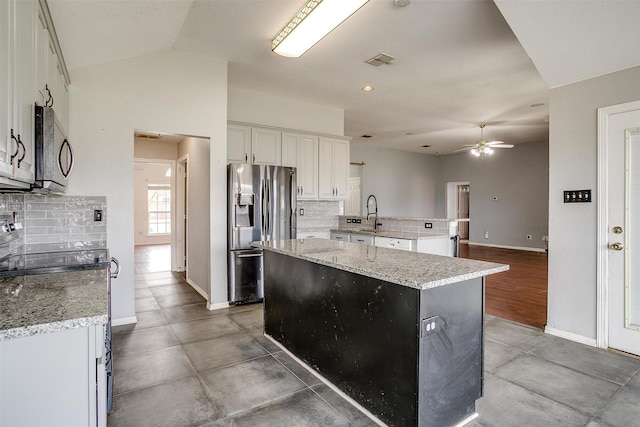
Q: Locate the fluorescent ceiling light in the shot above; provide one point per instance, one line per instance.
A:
(316, 19)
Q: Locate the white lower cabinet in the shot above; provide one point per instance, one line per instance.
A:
(314, 235)
(393, 243)
(363, 239)
(54, 379)
(343, 237)
(436, 246)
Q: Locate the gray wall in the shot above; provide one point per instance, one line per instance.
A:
(518, 178)
(573, 166)
(404, 183)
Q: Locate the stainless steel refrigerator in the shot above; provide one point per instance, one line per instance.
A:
(261, 205)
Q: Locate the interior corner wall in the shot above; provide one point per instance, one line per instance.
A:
(198, 210)
(573, 166)
(169, 91)
(509, 194)
(403, 182)
(269, 110)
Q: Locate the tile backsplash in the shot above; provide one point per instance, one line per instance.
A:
(54, 223)
(318, 215)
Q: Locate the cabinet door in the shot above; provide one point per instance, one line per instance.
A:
(341, 168)
(266, 146)
(42, 57)
(290, 143)
(238, 144)
(308, 167)
(326, 189)
(23, 85)
(6, 92)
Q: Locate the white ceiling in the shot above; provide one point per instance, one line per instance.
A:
(457, 63)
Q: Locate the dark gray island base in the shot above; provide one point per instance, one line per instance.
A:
(409, 351)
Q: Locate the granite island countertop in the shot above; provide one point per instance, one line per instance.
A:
(412, 269)
(51, 302)
(390, 233)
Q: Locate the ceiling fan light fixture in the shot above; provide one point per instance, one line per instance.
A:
(312, 23)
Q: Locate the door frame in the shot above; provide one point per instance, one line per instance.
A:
(181, 202)
(602, 207)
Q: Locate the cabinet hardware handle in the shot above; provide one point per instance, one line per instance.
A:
(50, 99)
(246, 157)
(24, 151)
(254, 158)
(65, 169)
(14, 155)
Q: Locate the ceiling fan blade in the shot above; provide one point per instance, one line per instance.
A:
(464, 149)
(502, 146)
(492, 143)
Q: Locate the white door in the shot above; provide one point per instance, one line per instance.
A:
(622, 133)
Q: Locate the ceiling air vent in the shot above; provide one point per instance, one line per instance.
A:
(147, 135)
(366, 136)
(380, 59)
(426, 146)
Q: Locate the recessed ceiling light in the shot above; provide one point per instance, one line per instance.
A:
(537, 104)
(367, 88)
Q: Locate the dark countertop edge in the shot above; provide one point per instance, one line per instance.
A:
(410, 284)
(56, 326)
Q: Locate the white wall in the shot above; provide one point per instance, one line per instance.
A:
(518, 178)
(170, 91)
(198, 210)
(265, 109)
(143, 175)
(404, 183)
(573, 166)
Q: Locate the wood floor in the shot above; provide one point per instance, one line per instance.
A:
(519, 294)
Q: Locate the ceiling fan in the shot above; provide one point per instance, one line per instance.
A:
(484, 148)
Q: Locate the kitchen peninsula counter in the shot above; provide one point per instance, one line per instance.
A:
(400, 333)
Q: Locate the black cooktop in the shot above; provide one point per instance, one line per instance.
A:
(54, 262)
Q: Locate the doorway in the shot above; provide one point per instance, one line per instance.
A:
(458, 206)
(618, 280)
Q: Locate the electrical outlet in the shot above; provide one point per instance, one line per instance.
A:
(545, 238)
(97, 215)
(348, 220)
(486, 234)
(358, 221)
(529, 237)
(301, 210)
(429, 326)
(428, 225)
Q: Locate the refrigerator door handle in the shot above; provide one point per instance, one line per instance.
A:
(262, 209)
(249, 255)
(269, 213)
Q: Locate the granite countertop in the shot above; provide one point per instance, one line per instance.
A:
(392, 234)
(411, 269)
(42, 303)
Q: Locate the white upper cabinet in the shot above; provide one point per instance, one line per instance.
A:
(29, 64)
(301, 151)
(238, 143)
(333, 168)
(266, 146)
(258, 146)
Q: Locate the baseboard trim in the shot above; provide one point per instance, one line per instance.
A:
(571, 336)
(124, 321)
(197, 288)
(517, 248)
(217, 306)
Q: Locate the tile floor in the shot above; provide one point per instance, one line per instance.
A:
(182, 365)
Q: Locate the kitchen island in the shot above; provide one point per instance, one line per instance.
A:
(400, 333)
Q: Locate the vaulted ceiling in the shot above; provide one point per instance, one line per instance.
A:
(457, 63)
